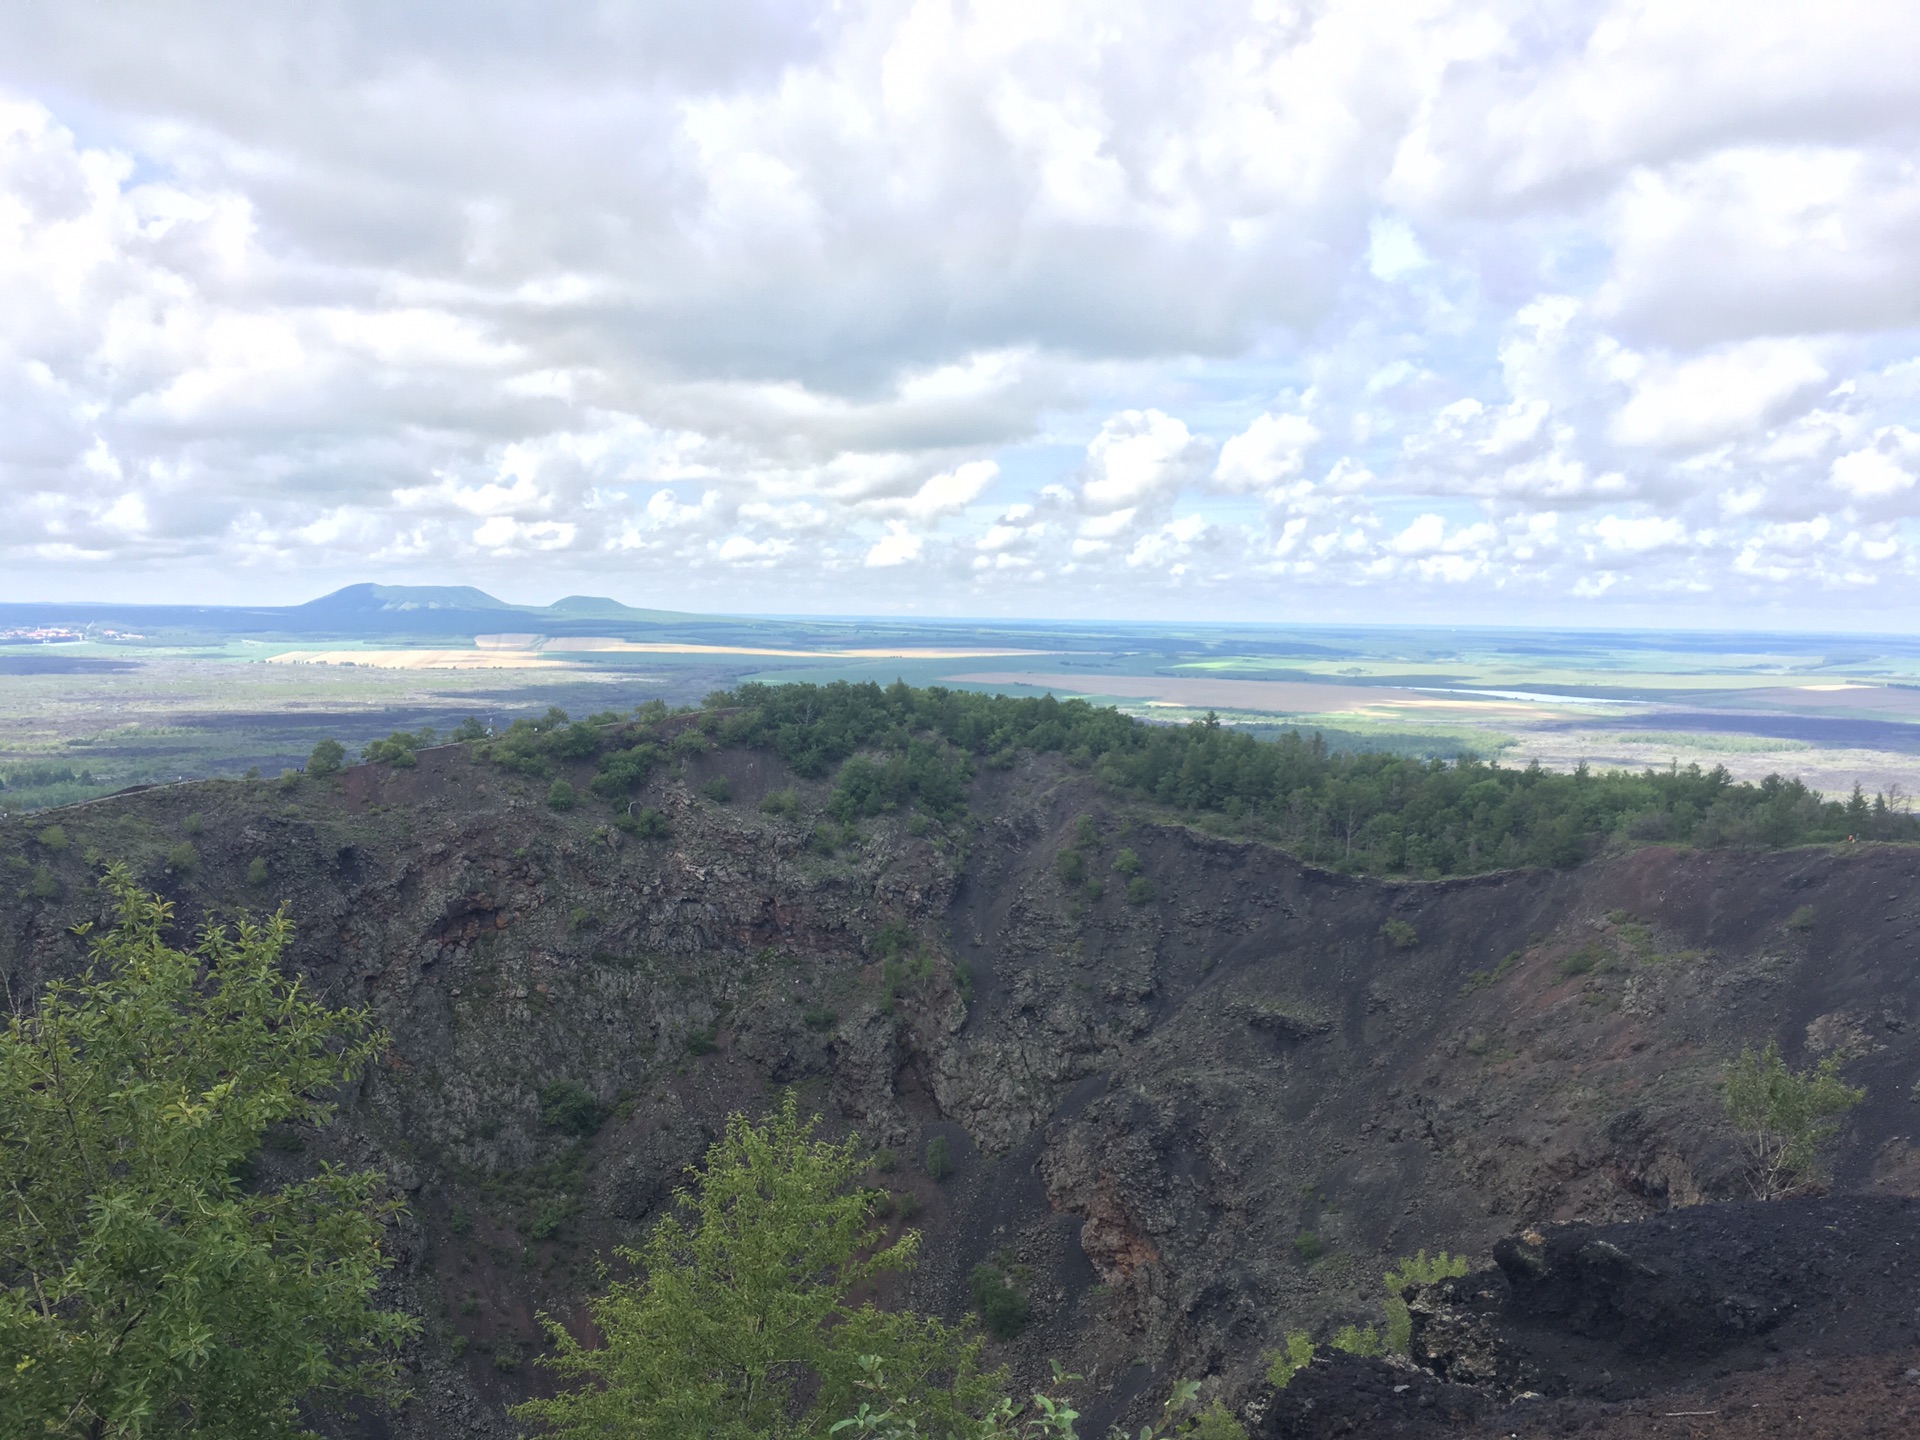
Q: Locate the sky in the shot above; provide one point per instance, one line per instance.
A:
(1396, 310)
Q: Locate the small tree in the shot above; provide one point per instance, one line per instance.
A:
(742, 1325)
(326, 758)
(1785, 1116)
(146, 1290)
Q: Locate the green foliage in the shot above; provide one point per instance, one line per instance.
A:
(183, 859)
(892, 939)
(1127, 863)
(1308, 1246)
(646, 823)
(1399, 934)
(1784, 1116)
(1363, 812)
(560, 796)
(53, 838)
(529, 745)
(719, 790)
(1285, 1363)
(1071, 868)
(150, 1293)
(702, 1041)
(1486, 979)
(1139, 890)
(624, 771)
(781, 802)
(939, 1158)
(467, 731)
(1045, 1417)
(567, 1106)
(1001, 1305)
(924, 773)
(44, 885)
(1419, 1270)
(398, 748)
(1413, 1270)
(1582, 961)
(326, 758)
(257, 870)
(1358, 1340)
(1801, 919)
(741, 1324)
(194, 824)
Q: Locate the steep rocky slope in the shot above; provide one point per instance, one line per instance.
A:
(1181, 1121)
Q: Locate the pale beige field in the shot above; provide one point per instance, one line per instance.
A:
(538, 652)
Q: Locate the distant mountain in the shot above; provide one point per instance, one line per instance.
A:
(362, 610)
(398, 599)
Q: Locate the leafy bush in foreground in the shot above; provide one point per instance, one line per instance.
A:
(149, 1291)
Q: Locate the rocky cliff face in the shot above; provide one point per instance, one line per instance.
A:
(1182, 1115)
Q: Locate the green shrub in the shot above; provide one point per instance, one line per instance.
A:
(257, 870)
(648, 824)
(1139, 890)
(326, 758)
(567, 1106)
(1127, 863)
(183, 859)
(1784, 1116)
(1095, 889)
(194, 824)
(468, 730)
(781, 802)
(1414, 1270)
(1285, 1363)
(1071, 867)
(53, 838)
(1484, 979)
(939, 1158)
(1308, 1246)
(1582, 961)
(1801, 919)
(703, 1041)
(719, 790)
(460, 1222)
(1358, 1340)
(560, 796)
(1002, 1308)
(398, 748)
(552, 1215)
(44, 885)
(820, 1018)
(1399, 934)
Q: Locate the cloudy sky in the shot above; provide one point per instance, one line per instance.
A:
(1221, 309)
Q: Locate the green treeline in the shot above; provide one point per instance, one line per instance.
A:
(1366, 812)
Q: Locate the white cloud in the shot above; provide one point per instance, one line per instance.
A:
(1883, 469)
(764, 305)
(1271, 450)
(1724, 395)
(1140, 456)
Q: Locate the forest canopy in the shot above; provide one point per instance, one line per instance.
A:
(1368, 812)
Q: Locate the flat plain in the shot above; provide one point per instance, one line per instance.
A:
(93, 700)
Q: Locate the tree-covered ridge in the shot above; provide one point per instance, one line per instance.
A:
(1368, 812)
